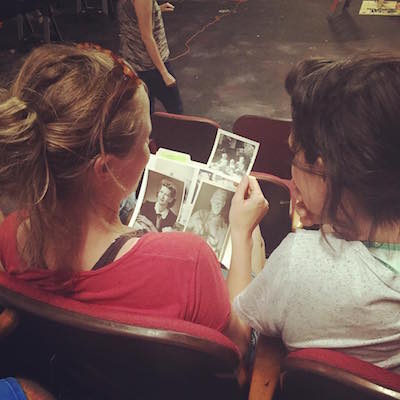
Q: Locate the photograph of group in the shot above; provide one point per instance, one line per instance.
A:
(191, 196)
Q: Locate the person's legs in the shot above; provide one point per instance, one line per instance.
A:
(168, 95)
(152, 80)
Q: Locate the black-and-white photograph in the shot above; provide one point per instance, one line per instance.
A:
(209, 175)
(175, 169)
(160, 203)
(232, 155)
(209, 215)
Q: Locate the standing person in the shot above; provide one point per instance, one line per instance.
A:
(339, 287)
(144, 45)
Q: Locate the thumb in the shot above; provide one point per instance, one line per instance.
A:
(241, 190)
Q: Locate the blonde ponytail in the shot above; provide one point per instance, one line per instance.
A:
(66, 107)
(22, 151)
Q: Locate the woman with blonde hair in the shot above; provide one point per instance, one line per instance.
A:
(74, 131)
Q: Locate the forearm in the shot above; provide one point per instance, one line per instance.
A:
(239, 332)
(154, 54)
(143, 9)
(239, 275)
(247, 208)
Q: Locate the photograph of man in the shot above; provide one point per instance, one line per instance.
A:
(209, 219)
(159, 212)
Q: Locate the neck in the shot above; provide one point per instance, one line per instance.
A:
(100, 225)
(368, 230)
(364, 227)
(103, 219)
(385, 233)
(160, 207)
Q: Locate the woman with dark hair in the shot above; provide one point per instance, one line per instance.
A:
(339, 287)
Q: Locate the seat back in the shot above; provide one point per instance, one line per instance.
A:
(277, 223)
(109, 353)
(274, 156)
(12, 8)
(328, 374)
(187, 134)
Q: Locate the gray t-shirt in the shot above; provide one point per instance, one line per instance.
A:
(336, 295)
(132, 47)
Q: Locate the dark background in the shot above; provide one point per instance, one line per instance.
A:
(239, 63)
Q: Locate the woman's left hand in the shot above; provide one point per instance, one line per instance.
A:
(167, 7)
(248, 206)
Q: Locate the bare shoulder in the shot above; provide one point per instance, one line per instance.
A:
(127, 247)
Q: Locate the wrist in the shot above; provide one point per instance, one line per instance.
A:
(241, 236)
(164, 73)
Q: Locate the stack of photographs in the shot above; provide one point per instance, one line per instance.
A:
(194, 197)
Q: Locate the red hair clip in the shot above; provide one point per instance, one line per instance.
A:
(126, 68)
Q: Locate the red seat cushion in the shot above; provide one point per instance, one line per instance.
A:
(360, 368)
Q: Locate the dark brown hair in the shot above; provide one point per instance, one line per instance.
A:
(347, 112)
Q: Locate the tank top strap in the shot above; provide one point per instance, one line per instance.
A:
(109, 255)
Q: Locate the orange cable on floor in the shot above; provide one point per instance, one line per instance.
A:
(216, 19)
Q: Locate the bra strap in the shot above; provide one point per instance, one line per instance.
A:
(109, 255)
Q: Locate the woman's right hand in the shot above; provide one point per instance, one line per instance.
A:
(169, 80)
(167, 7)
(248, 207)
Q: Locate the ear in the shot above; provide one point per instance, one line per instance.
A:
(102, 167)
(319, 163)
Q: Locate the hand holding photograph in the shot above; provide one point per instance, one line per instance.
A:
(179, 194)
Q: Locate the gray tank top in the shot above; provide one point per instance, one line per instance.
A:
(132, 47)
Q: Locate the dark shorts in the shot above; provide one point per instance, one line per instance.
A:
(10, 389)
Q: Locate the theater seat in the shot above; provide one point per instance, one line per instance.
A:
(274, 156)
(184, 133)
(278, 222)
(20, 8)
(82, 351)
(317, 374)
(328, 374)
